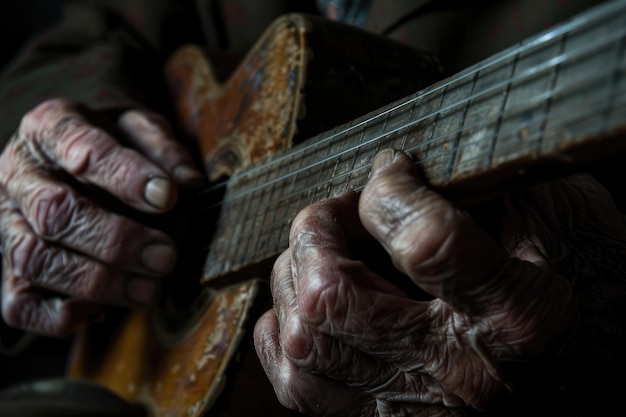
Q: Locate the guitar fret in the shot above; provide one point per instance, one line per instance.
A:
(446, 130)
(554, 76)
(279, 214)
(359, 172)
(525, 107)
(431, 151)
(328, 167)
(498, 123)
(247, 227)
(451, 170)
(269, 216)
(566, 126)
(257, 235)
(398, 127)
(526, 103)
(404, 137)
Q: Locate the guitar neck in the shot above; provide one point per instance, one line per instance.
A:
(556, 99)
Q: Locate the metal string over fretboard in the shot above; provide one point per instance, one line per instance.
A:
(529, 102)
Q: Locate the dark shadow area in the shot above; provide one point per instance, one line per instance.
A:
(21, 19)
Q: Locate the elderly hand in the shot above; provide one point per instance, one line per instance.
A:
(63, 254)
(343, 340)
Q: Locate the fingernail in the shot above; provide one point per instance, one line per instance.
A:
(159, 257)
(159, 192)
(187, 175)
(383, 159)
(143, 290)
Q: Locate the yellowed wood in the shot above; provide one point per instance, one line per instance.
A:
(171, 378)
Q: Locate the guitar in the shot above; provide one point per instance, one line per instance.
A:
(549, 105)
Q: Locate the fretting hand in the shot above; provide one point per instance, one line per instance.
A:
(343, 340)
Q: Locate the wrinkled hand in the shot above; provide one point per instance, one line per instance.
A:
(64, 255)
(342, 340)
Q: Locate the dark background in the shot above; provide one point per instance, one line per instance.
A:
(19, 21)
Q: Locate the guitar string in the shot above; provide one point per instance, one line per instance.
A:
(560, 59)
(493, 90)
(529, 47)
(484, 124)
(552, 63)
(272, 225)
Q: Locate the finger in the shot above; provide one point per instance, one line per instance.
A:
(55, 133)
(152, 134)
(315, 352)
(32, 263)
(56, 213)
(341, 297)
(440, 247)
(302, 391)
(56, 317)
(510, 301)
(314, 395)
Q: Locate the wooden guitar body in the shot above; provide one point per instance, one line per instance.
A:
(304, 76)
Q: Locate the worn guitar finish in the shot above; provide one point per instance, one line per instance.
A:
(304, 76)
(556, 100)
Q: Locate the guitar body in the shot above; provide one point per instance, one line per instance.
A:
(304, 76)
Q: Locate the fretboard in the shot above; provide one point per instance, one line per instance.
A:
(559, 97)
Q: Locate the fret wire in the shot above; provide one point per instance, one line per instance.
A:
(332, 175)
(457, 136)
(242, 250)
(523, 107)
(321, 170)
(548, 102)
(600, 104)
(563, 122)
(509, 132)
(428, 142)
(360, 146)
(500, 116)
(520, 108)
(266, 221)
(406, 130)
(408, 125)
(278, 225)
(595, 104)
(523, 76)
(589, 18)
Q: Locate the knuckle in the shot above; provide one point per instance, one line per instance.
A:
(37, 119)
(25, 313)
(15, 314)
(424, 238)
(298, 345)
(145, 122)
(26, 256)
(318, 297)
(121, 240)
(83, 146)
(54, 212)
(95, 285)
